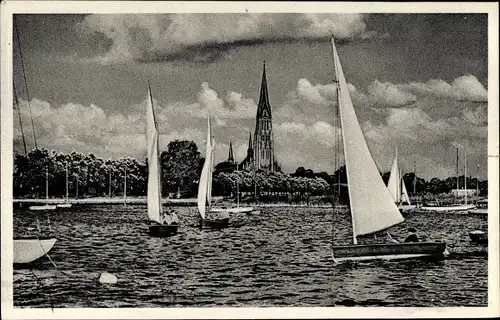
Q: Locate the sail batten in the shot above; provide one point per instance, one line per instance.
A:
(154, 166)
(372, 206)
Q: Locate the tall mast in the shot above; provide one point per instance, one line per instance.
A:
(335, 62)
(414, 177)
(66, 182)
(237, 187)
(25, 81)
(20, 120)
(109, 191)
(47, 183)
(477, 181)
(458, 186)
(465, 174)
(125, 187)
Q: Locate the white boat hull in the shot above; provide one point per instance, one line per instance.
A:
(457, 208)
(29, 250)
(43, 208)
(233, 210)
(64, 205)
(478, 211)
(407, 207)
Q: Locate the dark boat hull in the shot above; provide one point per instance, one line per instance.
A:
(214, 223)
(478, 237)
(389, 251)
(162, 230)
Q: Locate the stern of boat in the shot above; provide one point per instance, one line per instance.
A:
(163, 230)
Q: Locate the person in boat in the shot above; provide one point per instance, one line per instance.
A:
(170, 218)
(412, 237)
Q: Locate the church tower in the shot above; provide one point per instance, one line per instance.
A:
(263, 136)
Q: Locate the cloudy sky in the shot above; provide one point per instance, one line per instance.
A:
(418, 82)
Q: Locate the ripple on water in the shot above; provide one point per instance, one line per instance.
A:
(279, 258)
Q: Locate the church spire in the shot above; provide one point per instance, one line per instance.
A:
(250, 145)
(264, 108)
(230, 158)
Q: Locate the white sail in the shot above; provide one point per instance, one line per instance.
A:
(404, 195)
(204, 185)
(210, 168)
(372, 206)
(396, 184)
(154, 181)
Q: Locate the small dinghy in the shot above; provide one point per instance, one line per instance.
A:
(373, 208)
(233, 210)
(478, 236)
(66, 203)
(45, 207)
(155, 208)
(29, 250)
(482, 208)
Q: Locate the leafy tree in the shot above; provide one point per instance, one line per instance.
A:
(181, 166)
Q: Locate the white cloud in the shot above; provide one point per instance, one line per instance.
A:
(235, 106)
(464, 88)
(156, 36)
(387, 94)
(304, 136)
(311, 146)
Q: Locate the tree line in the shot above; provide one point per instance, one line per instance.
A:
(92, 176)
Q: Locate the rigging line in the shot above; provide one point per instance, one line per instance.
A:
(20, 120)
(25, 81)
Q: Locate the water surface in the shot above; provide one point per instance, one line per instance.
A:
(279, 258)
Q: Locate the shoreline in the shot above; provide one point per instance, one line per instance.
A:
(165, 201)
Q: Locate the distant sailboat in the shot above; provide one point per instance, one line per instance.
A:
(456, 207)
(47, 206)
(213, 217)
(164, 224)
(236, 209)
(371, 205)
(397, 188)
(66, 203)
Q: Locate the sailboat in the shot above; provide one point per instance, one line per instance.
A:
(27, 249)
(456, 207)
(236, 209)
(397, 188)
(155, 207)
(66, 203)
(371, 205)
(213, 217)
(47, 206)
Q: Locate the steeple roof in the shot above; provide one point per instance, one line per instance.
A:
(250, 141)
(230, 157)
(264, 108)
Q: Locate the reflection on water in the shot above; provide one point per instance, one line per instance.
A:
(280, 258)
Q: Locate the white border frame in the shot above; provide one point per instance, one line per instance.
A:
(8, 8)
